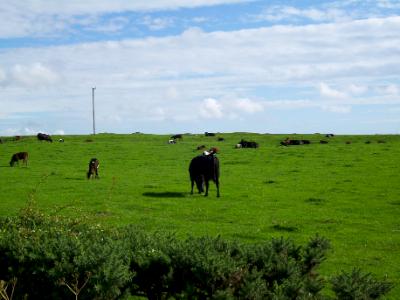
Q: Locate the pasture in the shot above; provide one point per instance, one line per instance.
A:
(346, 192)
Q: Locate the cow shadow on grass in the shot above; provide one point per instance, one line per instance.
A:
(164, 194)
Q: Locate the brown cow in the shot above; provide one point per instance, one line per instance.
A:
(93, 168)
(19, 156)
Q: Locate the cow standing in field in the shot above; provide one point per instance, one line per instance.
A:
(19, 156)
(44, 137)
(176, 136)
(93, 168)
(202, 169)
(247, 144)
(288, 142)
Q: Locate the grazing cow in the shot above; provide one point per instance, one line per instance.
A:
(202, 169)
(93, 168)
(288, 142)
(221, 139)
(171, 141)
(246, 144)
(237, 146)
(323, 142)
(44, 137)
(176, 136)
(209, 134)
(19, 156)
(61, 140)
(329, 135)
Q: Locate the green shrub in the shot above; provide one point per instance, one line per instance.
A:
(58, 258)
(357, 285)
(51, 258)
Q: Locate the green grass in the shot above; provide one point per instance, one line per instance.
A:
(348, 193)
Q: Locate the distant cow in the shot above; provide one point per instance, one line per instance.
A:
(93, 168)
(289, 142)
(61, 140)
(202, 169)
(247, 144)
(171, 141)
(329, 135)
(176, 136)
(209, 134)
(19, 156)
(220, 139)
(44, 137)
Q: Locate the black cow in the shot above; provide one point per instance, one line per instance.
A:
(209, 134)
(288, 142)
(220, 139)
(202, 169)
(19, 156)
(93, 168)
(176, 136)
(44, 137)
(246, 144)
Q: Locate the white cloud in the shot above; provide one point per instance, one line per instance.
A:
(326, 91)
(157, 23)
(279, 13)
(248, 106)
(33, 75)
(42, 18)
(289, 104)
(211, 108)
(113, 25)
(392, 89)
(391, 4)
(175, 73)
(337, 109)
(355, 89)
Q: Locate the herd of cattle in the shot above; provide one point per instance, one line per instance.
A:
(202, 168)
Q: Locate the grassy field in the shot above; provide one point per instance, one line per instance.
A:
(348, 193)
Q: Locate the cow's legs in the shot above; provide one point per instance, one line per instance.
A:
(192, 183)
(207, 185)
(217, 185)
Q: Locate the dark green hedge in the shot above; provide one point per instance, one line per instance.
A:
(57, 258)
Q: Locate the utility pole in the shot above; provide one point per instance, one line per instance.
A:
(94, 127)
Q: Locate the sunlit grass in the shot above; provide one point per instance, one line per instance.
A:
(348, 193)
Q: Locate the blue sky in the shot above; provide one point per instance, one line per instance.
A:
(170, 66)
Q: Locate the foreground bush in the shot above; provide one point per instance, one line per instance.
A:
(51, 258)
